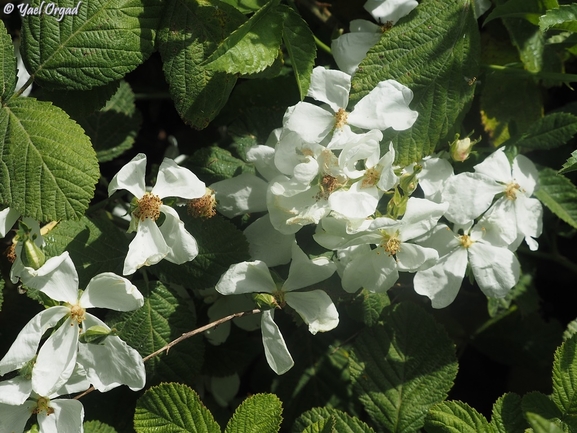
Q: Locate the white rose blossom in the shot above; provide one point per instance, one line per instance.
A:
(169, 241)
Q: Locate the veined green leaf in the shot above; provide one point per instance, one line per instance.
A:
(507, 416)
(260, 413)
(322, 416)
(323, 426)
(527, 9)
(97, 427)
(246, 6)
(164, 317)
(214, 164)
(551, 131)
(252, 47)
(541, 404)
(565, 378)
(558, 194)
(172, 407)
(402, 368)
(571, 164)
(189, 32)
(542, 425)
(7, 64)
(455, 416)
(100, 42)
(301, 47)
(562, 18)
(48, 167)
(435, 52)
(571, 330)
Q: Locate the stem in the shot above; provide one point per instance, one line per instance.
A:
(27, 84)
(323, 46)
(568, 78)
(185, 336)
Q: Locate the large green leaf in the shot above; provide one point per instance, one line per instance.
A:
(100, 43)
(189, 33)
(343, 423)
(402, 368)
(551, 131)
(7, 64)
(164, 317)
(541, 404)
(253, 46)
(435, 52)
(260, 413)
(543, 425)
(214, 163)
(558, 194)
(565, 378)
(48, 168)
(562, 18)
(571, 164)
(455, 416)
(97, 427)
(527, 9)
(170, 408)
(507, 416)
(301, 47)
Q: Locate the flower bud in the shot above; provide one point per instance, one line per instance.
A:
(96, 334)
(461, 149)
(31, 254)
(265, 301)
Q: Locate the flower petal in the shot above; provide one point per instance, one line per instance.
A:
(8, 218)
(304, 272)
(316, 309)
(57, 278)
(529, 212)
(176, 181)
(331, 87)
(67, 417)
(275, 349)
(241, 194)
(525, 174)
(350, 49)
(374, 270)
(130, 177)
(496, 166)
(26, 344)
(413, 257)
(496, 270)
(312, 123)
(357, 202)
(389, 10)
(108, 290)
(15, 391)
(182, 245)
(246, 277)
(14, 418)
(111, 363)
(267, 244)
(147, 248)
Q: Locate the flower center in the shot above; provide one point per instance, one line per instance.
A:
(327, 184)
(148, 207)
(341, 118)
(391, 243)
(511, 190)
(77, 313)
(43, 405)
(466, 241)
(371, 177)
(203, 207)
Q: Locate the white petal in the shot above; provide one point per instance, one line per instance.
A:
(57, 278)
(413, 257)
(108, 290)
(433, 176)
(8, 218)
(441, 283)
(246, 277)
(331, 87)
(26, 344)
(176, 181)
(241, 194)
(529, 213)
(316, 309)
(365, 148)
(77, 382)
(389, 10)
(14, 418)
(147, 248)
(56, 359)
(496, 166)
(350, 49)
(15, 391)
(498, 225)
(386, 106)
(267, 244)
(420, 216)
(387, 178)
(275, 349)
(130, 177)
(263, 158)
(374, 270)
(356, 202)
(182, 245)
(111, 363)
(525, 174)
(67, 417)
(304, 272)
(496, 270)
(312, 123)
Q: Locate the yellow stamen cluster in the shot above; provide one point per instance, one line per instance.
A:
(511, 190)
(148, 207)
(391, 243)
(43, 405)
(341, 118)
(327, 184)
(77, 313)
(279, 298)
(466, 241)
(11, 253)
(371, 177)
(203, 207)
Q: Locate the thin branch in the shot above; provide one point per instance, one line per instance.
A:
(185, 336)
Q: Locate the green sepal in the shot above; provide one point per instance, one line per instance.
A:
(96, 334)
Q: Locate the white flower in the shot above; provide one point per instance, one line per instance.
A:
(351, 48)
(170, 241)
(386, 106)
(494, 266)
(315, 307)
(389, 11)
(8, 218)
(117, 362)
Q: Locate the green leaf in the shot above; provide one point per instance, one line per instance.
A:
(562, 18)
(549, 132)
(565, 378)
(323, 426)
(542, 425)
(48, 168)
(455, 416)
(172, 407)
(571, 330)
(246, 6)
(114, 128)
(260, 413)
(368, 306)
(214, 163)
(95, 245)
(220, 245)
(541, 404)
(252, 47)
(101, 43)
(558, 194)
(439, 56)
(164, 317)
(190, 31)
(507, 416)
(571, 164)
(97, 427)
(321, 417)
(301, 47)
(402, 368)
(527, 9)
(7, 64)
